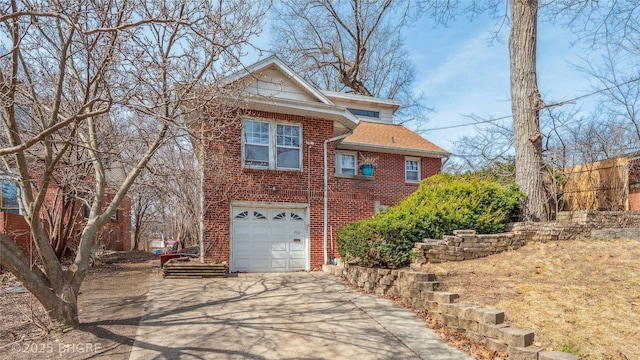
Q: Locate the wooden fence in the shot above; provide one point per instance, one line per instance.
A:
(602, 185)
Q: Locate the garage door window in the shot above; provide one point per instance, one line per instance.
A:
(242, 215)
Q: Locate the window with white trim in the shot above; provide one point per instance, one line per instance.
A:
(256, 143)
(346, 163)
(412, 170)
(288, 146)
(270, 145)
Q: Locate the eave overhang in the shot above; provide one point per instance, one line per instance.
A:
(344, 145)
(301, 108)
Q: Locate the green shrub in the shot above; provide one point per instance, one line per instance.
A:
(441, 204)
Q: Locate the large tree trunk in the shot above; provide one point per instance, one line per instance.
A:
(526, 104)
(60, 304)
(62, 310)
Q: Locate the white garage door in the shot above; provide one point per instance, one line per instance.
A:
(268, 240)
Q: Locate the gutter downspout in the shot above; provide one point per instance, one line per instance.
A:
(326, 193)
(201, 199)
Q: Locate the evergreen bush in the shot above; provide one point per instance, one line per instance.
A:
(441, 204)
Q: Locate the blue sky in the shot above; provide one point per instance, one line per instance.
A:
(462, 72)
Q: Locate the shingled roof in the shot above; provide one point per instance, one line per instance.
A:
(390, 138)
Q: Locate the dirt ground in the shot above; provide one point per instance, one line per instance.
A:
(110, 306)
(581, 297)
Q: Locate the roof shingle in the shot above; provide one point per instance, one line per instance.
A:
(390, 138)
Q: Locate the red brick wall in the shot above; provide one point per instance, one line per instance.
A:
(634, 199)
(634, 184)
(116, 235)
(16, 228)
(349, 199)
(388, 186)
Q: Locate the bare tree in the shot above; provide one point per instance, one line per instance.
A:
(145, 198)
(90, 73)
(526, 104)
(169, 192)
(350, 45)
(489, 145)
(611, 24)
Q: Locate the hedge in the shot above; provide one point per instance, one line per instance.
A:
(441, 204)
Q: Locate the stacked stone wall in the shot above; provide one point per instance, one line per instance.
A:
(627, 233)
(594, 219)
(419, 291)
(571, 225)
(464, 245)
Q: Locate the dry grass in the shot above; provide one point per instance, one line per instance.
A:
(577, 296)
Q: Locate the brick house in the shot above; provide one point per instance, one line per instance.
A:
(279, 186)
(116, 235)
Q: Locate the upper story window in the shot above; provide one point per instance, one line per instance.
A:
(256, 143)
(346, 163)
(412, 170)
(9, 201)
(266, 144)
(361, 112)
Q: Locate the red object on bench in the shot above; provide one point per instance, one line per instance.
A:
(165, 257)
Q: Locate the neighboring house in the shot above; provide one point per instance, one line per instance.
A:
(608, 185)
(279, 186)
(116, 235)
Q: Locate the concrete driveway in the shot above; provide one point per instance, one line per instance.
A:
(279, 316)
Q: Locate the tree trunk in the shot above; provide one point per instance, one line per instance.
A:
(60, 304)
(63, 310)
(526, 104)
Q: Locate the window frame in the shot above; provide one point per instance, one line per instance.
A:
(363, 112)
(338, 162)
(272, 159)
(10, 210)
(245, 142)
(283, 146)
(417, 160)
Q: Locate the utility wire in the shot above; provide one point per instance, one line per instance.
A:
(469, 124)
(546, 106)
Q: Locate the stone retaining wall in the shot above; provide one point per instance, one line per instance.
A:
(600, 219)
(466, 244)
(419, 291)
(628, 233)
(547, 231)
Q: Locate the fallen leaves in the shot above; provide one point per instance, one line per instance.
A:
(457, 339)
(586, 291)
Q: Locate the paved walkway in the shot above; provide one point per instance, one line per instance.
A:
(279, 316)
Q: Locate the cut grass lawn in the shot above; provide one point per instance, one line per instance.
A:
(578, 296)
